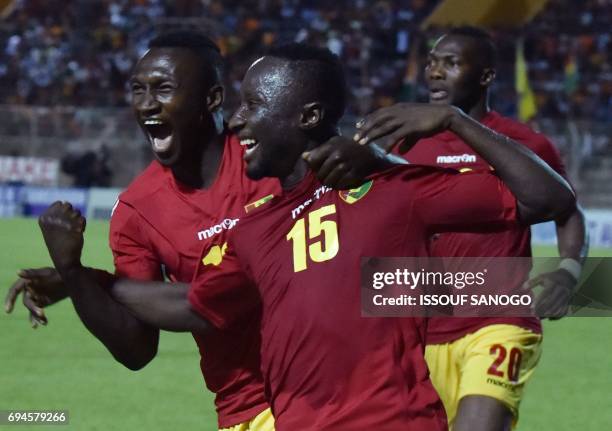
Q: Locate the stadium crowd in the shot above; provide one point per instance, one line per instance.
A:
(48, 56)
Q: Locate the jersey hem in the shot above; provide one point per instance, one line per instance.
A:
(533, 325)
(230, 420)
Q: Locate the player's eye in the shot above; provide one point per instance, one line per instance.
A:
(136, 89)
(452, 62)
(165, 88)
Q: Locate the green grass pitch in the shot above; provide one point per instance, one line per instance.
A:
(63, 367)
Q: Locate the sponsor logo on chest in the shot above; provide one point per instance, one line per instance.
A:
(458, 158)
(318, 193)
(226, 224)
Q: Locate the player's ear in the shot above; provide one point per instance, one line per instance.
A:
(312, 115)
(214, 101)
(488, 75)
(214, 98)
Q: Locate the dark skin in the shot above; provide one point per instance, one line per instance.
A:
(180, 115)
(337, 161)
(271, 120)
(458, 76)
(167, 88)
(268, 106)
(274, 120)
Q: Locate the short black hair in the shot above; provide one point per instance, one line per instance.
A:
(200, 44)
(486, 46)
(322, 70)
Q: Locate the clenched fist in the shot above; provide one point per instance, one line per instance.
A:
(62, 227)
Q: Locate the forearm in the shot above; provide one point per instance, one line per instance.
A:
(572, 236)
(536, 186)
(162, 305)
(130, 341)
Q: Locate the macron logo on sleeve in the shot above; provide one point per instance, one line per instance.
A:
(461, 158)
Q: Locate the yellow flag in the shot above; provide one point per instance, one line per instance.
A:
(527, 108)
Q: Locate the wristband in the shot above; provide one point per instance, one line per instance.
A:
(572, 266)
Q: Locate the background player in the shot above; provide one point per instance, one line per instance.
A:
(462, 351)
(315, 372)
(184, 202)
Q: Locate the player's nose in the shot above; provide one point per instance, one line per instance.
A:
(435, 72)
(237, 121)
(147, 104)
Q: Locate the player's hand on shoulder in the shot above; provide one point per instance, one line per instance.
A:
(404, 124)
(557, 291)
(62, 227)
(342, 164)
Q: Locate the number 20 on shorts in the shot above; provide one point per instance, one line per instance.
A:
(312, 246)
(514, 362)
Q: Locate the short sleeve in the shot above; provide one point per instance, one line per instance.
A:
(223, 294)
(132, 253)
(449, 200)
(546, 150)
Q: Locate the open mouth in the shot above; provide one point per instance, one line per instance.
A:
(160, 135)
(250, 146)
(438, 94)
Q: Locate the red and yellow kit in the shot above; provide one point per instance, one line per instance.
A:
(448, 150)
(296, 262)
(492, 356)
(161, 227)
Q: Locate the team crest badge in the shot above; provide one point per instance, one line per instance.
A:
(353, 195)
(257, 203)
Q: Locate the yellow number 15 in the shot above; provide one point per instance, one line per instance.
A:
(316, 227)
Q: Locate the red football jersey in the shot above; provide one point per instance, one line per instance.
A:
(160, 226)
(325, 366)
(448, 150)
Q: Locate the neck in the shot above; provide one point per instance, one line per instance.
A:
(301, 168)
(480, 108)
(294, 178)
(199, 170)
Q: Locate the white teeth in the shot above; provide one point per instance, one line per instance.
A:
(248, 142)
(153, 123)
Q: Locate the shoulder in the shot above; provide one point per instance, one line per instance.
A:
(410, 172)
(137, 197)
(523, 133)
(146, 184)
(536, 142)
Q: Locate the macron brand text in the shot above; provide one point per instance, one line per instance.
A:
(226, 224)
(316, 195)
(462, 158)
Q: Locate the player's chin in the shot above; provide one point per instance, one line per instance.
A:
(167, 158)
(438, 101)
(254, 171)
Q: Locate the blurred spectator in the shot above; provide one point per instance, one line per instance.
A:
(89, 169)
(80, 52)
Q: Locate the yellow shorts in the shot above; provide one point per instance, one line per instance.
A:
(262, 422)
(495, 361)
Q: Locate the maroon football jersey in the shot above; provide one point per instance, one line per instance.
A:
(448, 150)
(161, 227)
(325, 366)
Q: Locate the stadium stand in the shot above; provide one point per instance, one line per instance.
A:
(75, 54)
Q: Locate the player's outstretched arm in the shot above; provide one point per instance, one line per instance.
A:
(541, 193)
(130, 341)
(162, 305)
